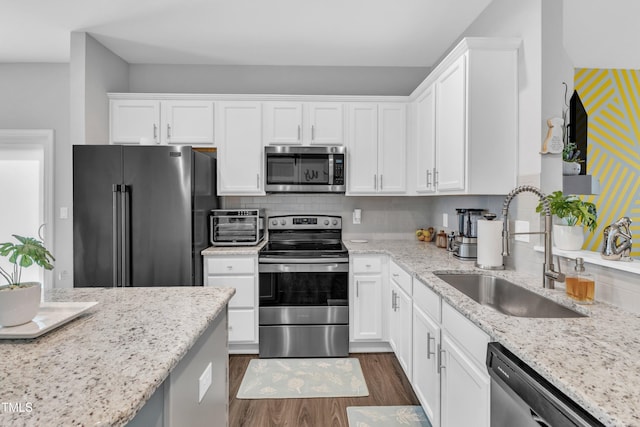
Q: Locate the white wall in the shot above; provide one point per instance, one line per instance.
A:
(36, 96)
(294, 80)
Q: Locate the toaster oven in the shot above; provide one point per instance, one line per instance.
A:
(234, 227)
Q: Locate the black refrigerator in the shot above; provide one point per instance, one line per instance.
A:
(140, 214)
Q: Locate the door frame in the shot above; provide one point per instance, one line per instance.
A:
(43, 138)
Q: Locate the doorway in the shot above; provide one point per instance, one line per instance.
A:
(26, 193)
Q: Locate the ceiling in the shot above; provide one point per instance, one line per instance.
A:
(293, 32)
(240, 32)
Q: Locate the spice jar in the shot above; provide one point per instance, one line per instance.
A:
(441, 239)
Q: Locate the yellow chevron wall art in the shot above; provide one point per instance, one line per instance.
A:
(612, 100)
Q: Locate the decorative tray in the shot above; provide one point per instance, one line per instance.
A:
(50, 316)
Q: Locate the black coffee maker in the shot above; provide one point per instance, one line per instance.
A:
(464, 245)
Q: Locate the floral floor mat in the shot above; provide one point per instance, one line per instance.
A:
(387, 416)
(302, 378)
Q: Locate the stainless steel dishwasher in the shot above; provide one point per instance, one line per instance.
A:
(521, 397)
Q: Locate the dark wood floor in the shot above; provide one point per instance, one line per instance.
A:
(387, 384)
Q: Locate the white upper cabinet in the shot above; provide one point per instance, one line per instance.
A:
(450, 128)
(187, 122)
(467, 120)
(425, 159)
(303, 123)
(376, 148)
(134, 122)
(150, 122)
(239, 136)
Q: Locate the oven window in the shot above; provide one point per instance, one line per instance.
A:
(281, 170)
(314, 169)
(280, 289)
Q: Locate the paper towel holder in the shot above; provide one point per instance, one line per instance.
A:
(490, 217)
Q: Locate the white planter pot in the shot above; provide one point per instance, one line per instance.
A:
(568, 237)
(571, 168)
(19, 305)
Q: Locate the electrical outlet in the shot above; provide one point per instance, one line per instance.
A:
(204, 382)
(64, 213)
(522, 227)
(445, 220)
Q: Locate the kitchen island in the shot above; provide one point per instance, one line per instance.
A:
(594, 360)
(125, 360)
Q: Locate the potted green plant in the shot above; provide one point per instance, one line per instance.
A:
(574, 214)
(571, 159)
(19, 301)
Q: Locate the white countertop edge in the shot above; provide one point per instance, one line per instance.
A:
(591, 257)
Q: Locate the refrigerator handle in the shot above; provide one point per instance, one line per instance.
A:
(115, 235)
(126, 235)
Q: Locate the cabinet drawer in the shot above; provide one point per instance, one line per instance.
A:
(242, 325)
(245, 289)
(469, 336)
(427, 300)
(228, 265)
(367, 264)
(401, 277)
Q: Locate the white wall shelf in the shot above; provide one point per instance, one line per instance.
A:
(595, 258)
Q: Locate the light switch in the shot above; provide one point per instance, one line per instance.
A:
(357, 216)
(64, 213)
(204, 382)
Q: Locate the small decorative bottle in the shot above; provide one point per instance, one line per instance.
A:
(580, 284)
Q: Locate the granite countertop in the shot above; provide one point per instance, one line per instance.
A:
(594, 360)
(101, 368)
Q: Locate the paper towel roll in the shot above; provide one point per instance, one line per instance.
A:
(489, 244)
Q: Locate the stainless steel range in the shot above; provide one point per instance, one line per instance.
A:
(304, 288)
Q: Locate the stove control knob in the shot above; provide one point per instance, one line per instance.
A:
(274, 222)
(283, 222)
(326, 222)
(334, 222)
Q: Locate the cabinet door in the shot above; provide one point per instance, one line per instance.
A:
(134, 122)
(451, 127)
(426, 378)
(187, 122)
(462, 380)
(239, 137)
(425, 160)
(367, 307)
(243, 325)
(400, 333)
(362, 152)
(283, 123)
(325, 123)
(392, 148)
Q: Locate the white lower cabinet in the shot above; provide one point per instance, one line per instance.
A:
(366, 298)
(401, 316)
(464, 377)
(238, 272)
(449, 373)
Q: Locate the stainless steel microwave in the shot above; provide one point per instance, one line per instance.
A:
(297, 169)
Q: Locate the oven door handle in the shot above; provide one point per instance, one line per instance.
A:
(303, 261)
(332, 267)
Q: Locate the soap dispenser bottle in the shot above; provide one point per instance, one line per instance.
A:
(580, 284)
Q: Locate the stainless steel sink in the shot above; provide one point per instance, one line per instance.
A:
(505, 296)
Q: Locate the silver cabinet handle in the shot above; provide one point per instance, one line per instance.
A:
(357, 288)
(155, 132)
(393, 300)
(397, 305)
(313, 133)
(440, 365)
(258, 181)
(168, 131)
(395, 274)
(299, 133)
(375, 181)
(380, 181)
(429, 352)
(435, 177)
(428, 178)
(229, 267)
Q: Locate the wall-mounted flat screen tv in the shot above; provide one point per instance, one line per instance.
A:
(578, 128)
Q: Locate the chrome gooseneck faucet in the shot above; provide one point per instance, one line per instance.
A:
(550, 276)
